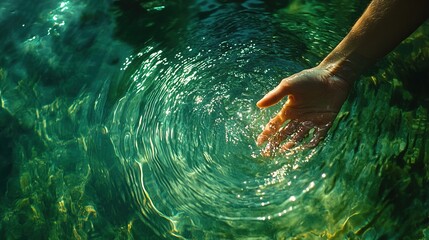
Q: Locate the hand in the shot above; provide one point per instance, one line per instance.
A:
(315, 97)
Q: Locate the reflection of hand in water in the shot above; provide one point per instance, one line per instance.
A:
(315, 96)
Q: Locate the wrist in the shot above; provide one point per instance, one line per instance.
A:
(345, 67)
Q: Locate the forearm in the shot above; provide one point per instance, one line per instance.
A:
(383, 25)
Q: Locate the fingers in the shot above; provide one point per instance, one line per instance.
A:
(275, 95)
(271, 128)
(288, 130)
(300, 133)
(295, 132)
(318, 135)
(282, 134)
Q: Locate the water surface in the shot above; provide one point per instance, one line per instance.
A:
(138, 121)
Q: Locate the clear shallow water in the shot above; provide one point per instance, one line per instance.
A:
(141, 124)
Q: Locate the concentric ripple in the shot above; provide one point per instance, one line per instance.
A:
(189, 119)
(183, 124)
(161, 144)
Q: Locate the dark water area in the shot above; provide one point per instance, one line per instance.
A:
(137, 120)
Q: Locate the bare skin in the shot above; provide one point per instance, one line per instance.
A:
(315, 95)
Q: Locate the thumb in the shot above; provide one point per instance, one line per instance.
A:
(274, 96)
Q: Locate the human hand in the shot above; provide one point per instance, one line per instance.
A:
(315, 97)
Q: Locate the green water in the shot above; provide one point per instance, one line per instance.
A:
(126, 120)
